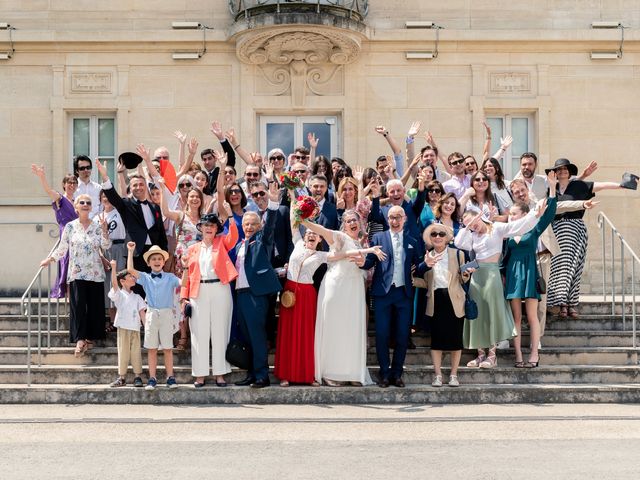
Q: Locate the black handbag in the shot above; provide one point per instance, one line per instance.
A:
(239, 354)
(541, 285)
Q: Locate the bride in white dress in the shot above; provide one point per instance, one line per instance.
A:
(341, 325)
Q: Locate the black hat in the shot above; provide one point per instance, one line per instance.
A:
(630, 181)
(563, 162)
(210, 218)
(130, 160)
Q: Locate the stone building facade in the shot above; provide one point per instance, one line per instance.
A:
(101, 76)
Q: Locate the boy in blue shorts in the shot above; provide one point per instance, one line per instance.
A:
(160, 289)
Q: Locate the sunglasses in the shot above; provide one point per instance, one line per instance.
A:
(163, 157)
(261, 193)
(235, 191)
(82, 169)
(438, 234)
(434, 190)
(184, 185)
(456, 162)
(302, 157)
(480, 180)
(300, 171)
(276, 157)
(251, 175)
(84, 202)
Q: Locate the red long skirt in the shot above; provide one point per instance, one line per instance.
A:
(296, 332)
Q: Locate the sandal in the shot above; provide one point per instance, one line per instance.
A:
(89, 344)
(520, 364)
(111, 328)
(490, 362)
(81, 347)
(563, 312)
(183, 344)
(573, 312)
(475, 363)
(284, 383)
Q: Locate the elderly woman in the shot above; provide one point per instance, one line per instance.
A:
(296, 328)
(205, 286)
(62, 205)
(571, 232)
(494, 322)
(445, 298)
(83, 238)
(341, 327)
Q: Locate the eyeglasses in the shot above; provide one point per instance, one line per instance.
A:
(84, 202)
(480, 180)
(260, 193)
(184, 185)
(163, 157)
(247, 174)
(72, 182)
(235, 191)
(82, 169)
(302, 157)
(300, 171)
(276, 157)
(396, 217)
(435, 190)
(456, 162)
(438, 234)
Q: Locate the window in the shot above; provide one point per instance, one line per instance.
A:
(94, 136)
(520, 127)
(289, 132)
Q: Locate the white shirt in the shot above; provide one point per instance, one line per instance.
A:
(207, 271)
(456, 186)
(241, 281)
(115, 225)
(92, 189)
(129, 305)
(441, 269)
(312, 260)
(398, 258)
(489, 244)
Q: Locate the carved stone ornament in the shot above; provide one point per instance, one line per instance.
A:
(303, 57)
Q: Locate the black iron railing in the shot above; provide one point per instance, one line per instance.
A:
(244, 9)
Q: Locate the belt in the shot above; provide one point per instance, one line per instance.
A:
(211, 280)
(544, 252)
(243, 290)
(117, 242)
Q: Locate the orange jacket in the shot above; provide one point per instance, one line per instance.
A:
(222, 265)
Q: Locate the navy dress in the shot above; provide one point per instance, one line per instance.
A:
(520, 258)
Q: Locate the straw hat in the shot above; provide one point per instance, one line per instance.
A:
(153, 250)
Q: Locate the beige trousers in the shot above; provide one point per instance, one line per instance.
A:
(545, 269)
(129, 350)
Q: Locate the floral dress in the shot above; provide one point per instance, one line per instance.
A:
(186, 235)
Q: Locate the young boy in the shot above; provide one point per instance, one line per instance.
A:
(160, 289)
(130, 312)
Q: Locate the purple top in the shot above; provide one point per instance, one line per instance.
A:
(65, 213)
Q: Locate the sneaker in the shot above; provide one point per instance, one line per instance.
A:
(151, 384)
(171, 382)
(119, 382)
(137, 382)
(437, 382)
(453, 381)
(503, 345)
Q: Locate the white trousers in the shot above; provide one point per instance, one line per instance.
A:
(545, 270)
(210, 324)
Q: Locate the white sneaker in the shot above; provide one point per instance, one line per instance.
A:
(437, 382)
(453, 381)
(503, 345)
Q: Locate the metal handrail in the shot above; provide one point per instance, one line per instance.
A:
(604, 221)
(27, 301)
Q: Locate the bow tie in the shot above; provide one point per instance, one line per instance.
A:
(143, 202)
(156, 275)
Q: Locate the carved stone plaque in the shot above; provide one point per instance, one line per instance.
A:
(510, 82)
(91, 82)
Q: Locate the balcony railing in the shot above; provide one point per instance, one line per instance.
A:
(244, 9)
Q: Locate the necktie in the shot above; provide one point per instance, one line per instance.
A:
(156, 275)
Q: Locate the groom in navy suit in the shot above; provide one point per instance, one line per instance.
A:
(392, 292)
(256, 282)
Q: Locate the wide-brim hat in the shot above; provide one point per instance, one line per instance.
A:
(152, 251)
(437, 226)
(630, 181)
(563, 162)
(210, 219)
(130, 160)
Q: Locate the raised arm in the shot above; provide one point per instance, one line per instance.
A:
(182, 140)
(406, 176)
(186, 166)
(504, 144)
(598, 186)
(441, 156)
(313, 146)
(325, 233)
(114, 275)
(410, 149)
(216, 129)
(121, 173)
(174, 215)
(487, 141)
(131, 246)
(235, 144)
(38, 171)
(109, 190)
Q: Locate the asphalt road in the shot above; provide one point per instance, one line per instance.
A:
(320, 442)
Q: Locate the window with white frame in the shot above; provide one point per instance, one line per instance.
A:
(288, 132)
(94, 135)
(520, 127)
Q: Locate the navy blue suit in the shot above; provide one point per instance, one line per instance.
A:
(253, 302)
(389, 298)
(412, 210)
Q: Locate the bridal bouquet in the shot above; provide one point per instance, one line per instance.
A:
(290, 180)
(306, 207)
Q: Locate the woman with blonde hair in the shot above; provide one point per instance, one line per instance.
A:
(347, 195)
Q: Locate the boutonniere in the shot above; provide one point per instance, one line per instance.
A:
(157, 214)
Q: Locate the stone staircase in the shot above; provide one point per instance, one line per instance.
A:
(586, 360)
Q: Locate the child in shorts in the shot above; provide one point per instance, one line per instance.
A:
(160, 289)
(130, 312)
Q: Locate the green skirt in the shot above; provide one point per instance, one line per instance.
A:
(495, 321)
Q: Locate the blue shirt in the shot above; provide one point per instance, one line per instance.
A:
(160, 291)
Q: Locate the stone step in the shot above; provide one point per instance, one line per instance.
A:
(418, 356)
(412, 394)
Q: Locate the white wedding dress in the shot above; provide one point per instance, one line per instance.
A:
(341, 325)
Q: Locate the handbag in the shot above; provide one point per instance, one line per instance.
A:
(239, 354)
(541, 285)
(288, 297)
(470, 306)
